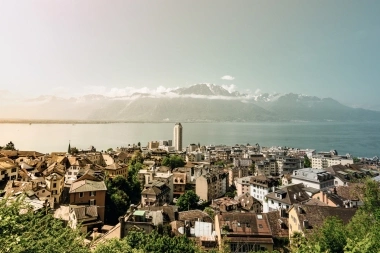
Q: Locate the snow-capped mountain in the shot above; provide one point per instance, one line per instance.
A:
(199, 102)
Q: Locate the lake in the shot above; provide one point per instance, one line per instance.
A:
(357, 138)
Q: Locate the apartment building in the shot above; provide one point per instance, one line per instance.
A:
(211, 185)
(312, 177)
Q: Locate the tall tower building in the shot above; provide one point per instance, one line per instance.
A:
(177, 137)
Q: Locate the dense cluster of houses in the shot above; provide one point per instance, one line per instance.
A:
(274, 195)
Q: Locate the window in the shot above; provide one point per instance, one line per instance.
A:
(92, 202)
(2, 172)
(92, 193)
(14, 170)
(54, 185)
(81, 195)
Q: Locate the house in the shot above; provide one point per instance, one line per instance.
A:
(179, 183)
(55, 184)
(225, 204)
(261, 185)
(117, 169)
(85, 216)
(279, 225)
(211, 185)
(311, 177)
(305, 219)
(249, 203)
(89, 191)
(244, 232)
(285, 197)
(8, 169)
(155, 193)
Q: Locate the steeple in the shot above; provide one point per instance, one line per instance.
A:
(69, 149)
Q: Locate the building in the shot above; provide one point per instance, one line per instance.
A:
(8, 169)
(237, 172)
(89, 191)
(179, 183)
(244, 232)
(315, 178)
(242, 185)
(268, 167)
(55, 184)
(155, 193)
(284, 198)
(305, 219)
(260, 186)
(211, 185)
(177, 137)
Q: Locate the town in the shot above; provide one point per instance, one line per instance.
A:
(245, 197)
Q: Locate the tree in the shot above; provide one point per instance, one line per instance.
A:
(174, 161)
(210, 212)
(110, 150)
(137, 157)
(307, 162)
(189, 200)
(23, 230)
(10, 146)
(116, 246)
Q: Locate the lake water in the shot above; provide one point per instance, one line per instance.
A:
(358, 139)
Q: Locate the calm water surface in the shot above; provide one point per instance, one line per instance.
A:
(358, 139)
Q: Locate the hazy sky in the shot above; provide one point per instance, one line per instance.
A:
(323, 48)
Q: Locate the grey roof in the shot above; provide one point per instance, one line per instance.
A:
(87, 186)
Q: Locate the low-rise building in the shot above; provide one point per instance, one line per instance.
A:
(244, 232)
(260, 186)
(155, 193)
(8, 169)
(311, 177)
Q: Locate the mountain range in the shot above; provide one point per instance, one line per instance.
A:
(197, 103)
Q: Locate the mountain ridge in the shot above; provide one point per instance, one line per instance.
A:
(196, 103)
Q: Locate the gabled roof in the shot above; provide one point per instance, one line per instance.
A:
(87, 186)
(290, 195)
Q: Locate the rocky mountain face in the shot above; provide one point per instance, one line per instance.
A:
(197, 103)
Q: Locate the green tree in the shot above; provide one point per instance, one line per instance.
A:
(356, 160)
(306, 162)
(10, 146)
(23, 230)
(189, 200)
(137, 157)
(116, 246)
(210, 212)
(173, 161)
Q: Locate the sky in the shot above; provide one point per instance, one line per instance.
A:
(70, 48)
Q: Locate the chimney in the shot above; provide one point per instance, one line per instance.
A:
(122, 226)
(335, 192)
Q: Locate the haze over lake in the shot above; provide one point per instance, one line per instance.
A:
(357, 138)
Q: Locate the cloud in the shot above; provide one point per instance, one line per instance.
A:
(258, 91)
(227, 77)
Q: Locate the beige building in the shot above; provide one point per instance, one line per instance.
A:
(177, 137)
(8, 169)
(243, 185)
(211, 185)
(117, 169)
(179, 183)
(55, 184)
(155, 193)
(237, 172)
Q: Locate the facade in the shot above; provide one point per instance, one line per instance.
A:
(288, 164)
(260, 186)
(315, 178)
(211, 185)
(89, 192)
(268, 167)
(8, 169)
(177, 137)
(55, 184)
(117, 169)
(155, 193)
(179, 183)
(242, 185)
(237, 172)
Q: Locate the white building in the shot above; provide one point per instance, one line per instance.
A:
(177, 137)
(312, 177)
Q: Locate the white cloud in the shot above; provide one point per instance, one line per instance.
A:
(227, 77)
(258, 91)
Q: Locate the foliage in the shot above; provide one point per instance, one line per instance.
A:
(154, 242)
(220, 163)
(356, 160)
(210, 212)
(252, 168)
(74, 151)
(137, 157)
(116, 246)
(189, 200)
(173, 161)
(29, 231)
(306, 162)
(110, 150)
(10, 146)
